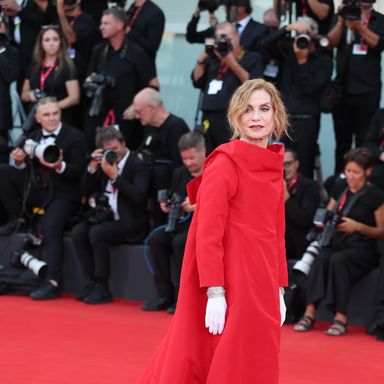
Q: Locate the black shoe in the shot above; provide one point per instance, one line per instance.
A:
(47, 292)
(86, 290)
(158, 304)
(10, 227)
(99, 295)
(172, 309)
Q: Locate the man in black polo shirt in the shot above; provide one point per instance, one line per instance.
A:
(130, 69)
(359, 46)
(146, 26)
(302, 198)
(218, 74)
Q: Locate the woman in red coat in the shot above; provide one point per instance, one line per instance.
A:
(235, 256)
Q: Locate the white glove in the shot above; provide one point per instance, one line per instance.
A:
(283, 308)
(215, 315)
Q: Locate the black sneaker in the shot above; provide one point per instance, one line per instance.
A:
(47, 292)
(158, 304)
(99, 295)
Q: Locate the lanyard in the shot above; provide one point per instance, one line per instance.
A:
(44, 73)
(73, 21)
(342, 202)
(134, 16)
(365, 23)
(110, 119)
(292, 182)
(224, 68)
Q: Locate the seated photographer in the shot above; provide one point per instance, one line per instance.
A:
(302, 197)
(346, 247)
(374, 141)
(117, 181)
(162, 131)
(47, 173)
(220, 69)
(305, 71)
(166, 246)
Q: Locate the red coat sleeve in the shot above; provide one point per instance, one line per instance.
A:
(280, 231)
(218, 185)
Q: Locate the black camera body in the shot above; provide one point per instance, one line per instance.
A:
(100, 210)
(210, 5)
(173, 201)
(109, 155)
(94, 90)
(223, 45)
(351, 10)
(30, 119)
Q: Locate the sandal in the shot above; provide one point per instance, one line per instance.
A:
(304, 324)
(338, 328)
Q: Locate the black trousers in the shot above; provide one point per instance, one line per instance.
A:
(351, 119)
(93, 243)
(304, 133)
(216, 130)
(57, 212)
(167, 251)
(335, 271)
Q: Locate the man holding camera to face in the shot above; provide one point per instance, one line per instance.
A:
(358, 35)
(117, 182)
(46, 174)
(219, 70)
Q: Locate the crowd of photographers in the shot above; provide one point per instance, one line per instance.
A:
(90, 65)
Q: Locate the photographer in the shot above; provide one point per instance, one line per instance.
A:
(47, 178)
(358, 218)
(79, 30)
(167, 247)
(162, 131)
(302, 197)
(126, 69)
(146, 27)
(219, 70)
(26, 20)
(319, 10)
(305, 70)
(358, 34)
(9, 71)
(124, 179)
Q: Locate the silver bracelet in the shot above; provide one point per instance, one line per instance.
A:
(215, 292)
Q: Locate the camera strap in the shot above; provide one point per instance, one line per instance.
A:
(134, 13)
(339, 206)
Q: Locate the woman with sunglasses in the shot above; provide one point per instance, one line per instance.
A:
(52, 72)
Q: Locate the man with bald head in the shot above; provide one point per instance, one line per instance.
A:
(162, 131)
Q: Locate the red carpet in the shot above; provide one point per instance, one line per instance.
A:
(67, 342)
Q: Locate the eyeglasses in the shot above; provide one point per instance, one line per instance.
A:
(50, 26)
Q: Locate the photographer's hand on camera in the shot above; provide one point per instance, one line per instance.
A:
(10, 7)
(186, 206)
(110, 170)
(164, 207)
(299, 27)
(18, 156)
(348, 225)
(96, 157)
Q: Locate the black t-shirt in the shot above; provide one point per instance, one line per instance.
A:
(164, 139)
(363, 210)
(129, 66)
(363, 71)
(80, 52)
(218, 102)
(55, 83)
(303, 9)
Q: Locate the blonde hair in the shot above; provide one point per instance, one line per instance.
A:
(239, 103)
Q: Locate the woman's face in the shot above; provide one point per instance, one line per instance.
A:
(50, 42)
(356, 175)
(257, 122)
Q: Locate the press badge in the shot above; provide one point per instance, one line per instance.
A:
(360, 49)
(271, 70)
(215, 86)
(71, 53)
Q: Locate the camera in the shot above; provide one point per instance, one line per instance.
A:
(302, 40)
(223, 45)
(50, 153)
(30, 119)
(173, 201)
(351, 9)
(109, 155)
(210, 5)
(24, 258)
(94, 90)
(326, 220)
(100, 209)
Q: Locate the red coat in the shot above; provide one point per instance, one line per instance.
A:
(236, 240)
